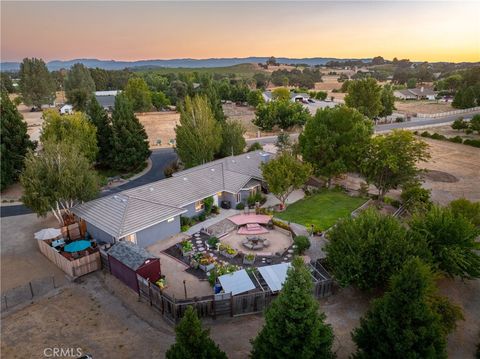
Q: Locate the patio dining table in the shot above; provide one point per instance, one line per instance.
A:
(77, 246)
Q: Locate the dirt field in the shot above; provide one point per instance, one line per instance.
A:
(460, 161)
(422, 106)
(21, 260)
(244, 114)
(159, 126)
(329, 83)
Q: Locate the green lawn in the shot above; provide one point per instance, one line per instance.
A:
(322, 209)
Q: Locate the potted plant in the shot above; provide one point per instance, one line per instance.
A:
(162, 283)
(195, 262)
(206, 263)
(227, 251)
(249, 259)
(212, 242)
(186, 247)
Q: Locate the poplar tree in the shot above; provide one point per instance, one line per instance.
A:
(99, 118)
(79, 86)
(36, 84)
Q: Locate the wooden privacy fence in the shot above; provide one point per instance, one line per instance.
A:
(222, 305)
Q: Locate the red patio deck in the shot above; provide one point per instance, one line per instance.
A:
(242, 219)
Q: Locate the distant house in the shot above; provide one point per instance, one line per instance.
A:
(421, 93)
(143, 215)
(126, 261)
(294, 97)
(106, 99)
(66, 109)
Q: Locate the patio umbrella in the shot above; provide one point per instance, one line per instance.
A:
(77, 246)
(48, 233)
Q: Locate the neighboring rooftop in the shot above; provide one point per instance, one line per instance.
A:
(129, 254)
(135, 209)
(417, 92)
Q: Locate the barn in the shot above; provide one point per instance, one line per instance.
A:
(126, 260)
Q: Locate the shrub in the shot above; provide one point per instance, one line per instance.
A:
(171, 169)
(474, 143)
(240, 206)
(281, 224)
(186, 221)
(437, 136)
(202, 217)
(468, 131)
(251, 200)
(212, 241)
(456, 139)
(255, 147)
(399, 119)
(425, 134)
(302, 243)
(208, 204)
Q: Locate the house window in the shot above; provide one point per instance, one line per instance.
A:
(199, 206)
(131, 238)
(253, 191)
(239, 197)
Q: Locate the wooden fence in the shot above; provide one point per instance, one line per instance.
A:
(221, 305)
(73, 268)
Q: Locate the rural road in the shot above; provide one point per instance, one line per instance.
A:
(163, 157)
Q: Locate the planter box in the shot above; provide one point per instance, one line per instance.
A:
(206, 268)
(225, 254)
(186, 254)
(248, 262)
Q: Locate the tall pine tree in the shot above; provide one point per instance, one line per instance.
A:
(15, 141)
(130, 141)
(99, 117)
(192, 341)
(293, 326)
(404, 323)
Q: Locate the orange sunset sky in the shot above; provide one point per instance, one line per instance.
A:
(431, 31)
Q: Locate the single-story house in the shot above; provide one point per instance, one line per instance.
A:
(106, 99)
(127, 260)
(421, 93)
(146, 214)
(66, 109)
(294, 97)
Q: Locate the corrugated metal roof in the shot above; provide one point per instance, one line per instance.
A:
(275, 275)
(130, 254)
(236, 282)
(141, 207)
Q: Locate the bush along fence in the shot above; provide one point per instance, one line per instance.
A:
(28, 292)
(456, 139)
(224, 304)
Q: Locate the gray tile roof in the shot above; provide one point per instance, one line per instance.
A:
(129, 254)
(138, 208)
(107, 102)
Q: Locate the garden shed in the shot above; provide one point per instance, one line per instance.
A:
(128, 260)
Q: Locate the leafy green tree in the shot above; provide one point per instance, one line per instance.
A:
(365, 251)
(74, 128)
(280, 113)
(198, 134)
(99, 118)
(475, 124)
(391, 160)
(139, 94)
(451, 239)
(469, 210)
(411, 83)
(261, 80)
(416, 198)
(335, 140)
(36, 85)
(294, 328)
(79, 86)
(6, 84)
(284, 143)
(254, 98)
(281, 93)
(459, 124)
(321, 95)
(345, 84)
(388, 101)
(366, 96)
(403, 323)
(284, 174)
(57, 179)
(159, 100)
(191, 341)
(130, 141)
(233, 142)
(14, 142)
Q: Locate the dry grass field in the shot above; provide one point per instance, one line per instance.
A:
(447, 131)
(422, 107)
(455, 171)
(159, 126)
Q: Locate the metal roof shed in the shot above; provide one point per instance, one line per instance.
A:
(275, 275)
(236, 282)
